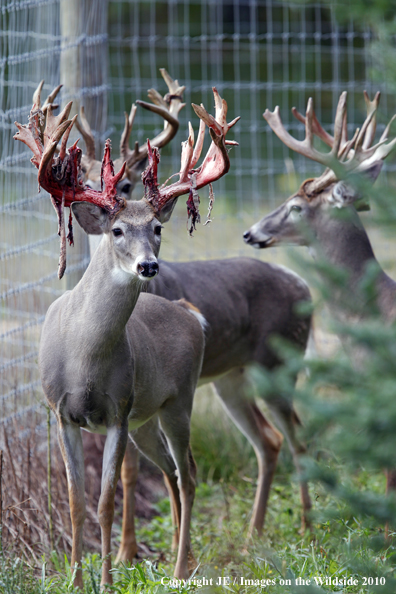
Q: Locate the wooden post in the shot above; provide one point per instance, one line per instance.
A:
(83, 74)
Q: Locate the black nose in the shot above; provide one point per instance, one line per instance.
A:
(148, 269)
(246, 236)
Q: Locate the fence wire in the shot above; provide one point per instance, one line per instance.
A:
(258, 53)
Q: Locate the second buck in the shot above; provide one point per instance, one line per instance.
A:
(312, 215)
(245, 303)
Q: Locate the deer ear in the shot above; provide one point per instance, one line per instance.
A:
(342, 195)
(93, 219)
(373, 171)
(166, 211)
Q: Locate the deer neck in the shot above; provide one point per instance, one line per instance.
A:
(105, 297)
(345, 244)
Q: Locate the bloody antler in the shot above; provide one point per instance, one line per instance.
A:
(215, 165)
(60, 175)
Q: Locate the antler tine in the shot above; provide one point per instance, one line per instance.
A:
(52, 96)
(316, 127)
(49, 150)
(37, 95)
(339, 124)
(126, 133)
(65, 138)
(49, 100)
(359, 144)
(187, 155)
(199, 144)
(221, 108)
(167, 107)
(53, 122)
(175, 95)
(371, 106)
(321, 133)
(308, 123)
(85, 130)
(385, 133)
(300, 146)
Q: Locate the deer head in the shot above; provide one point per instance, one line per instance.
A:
(312, 205)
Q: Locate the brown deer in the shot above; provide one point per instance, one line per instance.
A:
(110, 362)
(311, 215)
(245, 302)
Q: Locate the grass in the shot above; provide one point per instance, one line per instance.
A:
(340, 546)
(220, 519)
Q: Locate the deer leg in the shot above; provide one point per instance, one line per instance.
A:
(265, 439)
(73, 456)
(176, 427)
(152, 442)
(174, 497)
(113, 455)
(287, 420)
(129, 473)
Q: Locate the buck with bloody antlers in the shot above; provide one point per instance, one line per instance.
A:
(111, 363)
(245, 303)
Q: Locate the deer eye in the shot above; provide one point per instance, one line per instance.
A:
(117, 232)
(296, 208)
(126, 188)
(158, 230)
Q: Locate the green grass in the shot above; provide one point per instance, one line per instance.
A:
(340, 546)
(221, 515)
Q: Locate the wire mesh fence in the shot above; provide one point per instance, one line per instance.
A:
(258, 53)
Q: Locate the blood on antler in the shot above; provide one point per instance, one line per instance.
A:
(215, 165)
(60, 174)
(346, 156)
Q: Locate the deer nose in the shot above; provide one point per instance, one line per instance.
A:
(148, 269)
(246, 236)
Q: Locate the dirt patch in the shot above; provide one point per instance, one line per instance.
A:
(26, 519)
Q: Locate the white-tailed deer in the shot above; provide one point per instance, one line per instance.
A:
(111, 363)
(312, 216)
(315, 206)
(245, 302)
